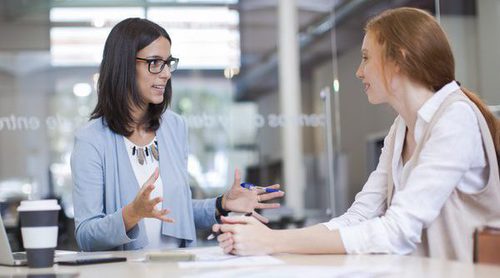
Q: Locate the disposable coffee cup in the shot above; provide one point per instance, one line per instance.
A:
(39, 231)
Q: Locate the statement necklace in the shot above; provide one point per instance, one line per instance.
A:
(145, 152)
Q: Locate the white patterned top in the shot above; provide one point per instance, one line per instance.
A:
(142, 173)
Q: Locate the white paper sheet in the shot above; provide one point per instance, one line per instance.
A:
(215, 257)
(290, 271)
(214, 253)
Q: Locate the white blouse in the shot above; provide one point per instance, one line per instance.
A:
(452, 157)
(142, 173)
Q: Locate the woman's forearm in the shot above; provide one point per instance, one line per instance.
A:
(311, 240)
(129, 218)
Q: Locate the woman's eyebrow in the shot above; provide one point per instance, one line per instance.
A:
(156, 57)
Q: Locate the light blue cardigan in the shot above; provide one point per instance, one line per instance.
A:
(104, 182)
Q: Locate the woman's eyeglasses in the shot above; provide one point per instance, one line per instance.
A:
(156, 65)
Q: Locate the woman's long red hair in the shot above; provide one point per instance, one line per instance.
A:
(414, 40)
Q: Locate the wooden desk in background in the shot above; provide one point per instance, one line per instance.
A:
(400, 266)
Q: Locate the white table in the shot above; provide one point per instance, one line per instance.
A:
(403, 266)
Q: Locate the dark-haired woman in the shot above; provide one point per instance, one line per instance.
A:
(437, 178)
(129, 163)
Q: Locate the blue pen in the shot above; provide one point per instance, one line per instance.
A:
(251, 186)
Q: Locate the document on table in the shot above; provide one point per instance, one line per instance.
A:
(297, 271)
(215, 257)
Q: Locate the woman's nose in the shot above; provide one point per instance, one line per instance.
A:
(359, 72)
(165, 73)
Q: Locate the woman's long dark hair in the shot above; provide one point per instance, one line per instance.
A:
(117, 92)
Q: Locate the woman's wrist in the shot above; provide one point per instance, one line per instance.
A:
(276, 243)
(130, 218)
(223, 202)
(219, 205)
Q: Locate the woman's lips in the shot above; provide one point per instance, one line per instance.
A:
(159, 88)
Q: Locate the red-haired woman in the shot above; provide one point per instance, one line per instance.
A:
(437, 177)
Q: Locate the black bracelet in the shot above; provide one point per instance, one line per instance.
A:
(218, 206)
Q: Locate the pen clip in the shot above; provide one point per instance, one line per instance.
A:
(213, 235)
(247, 185)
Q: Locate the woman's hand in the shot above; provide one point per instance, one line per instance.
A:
(239, 199)
(143, 207)
(243, 235)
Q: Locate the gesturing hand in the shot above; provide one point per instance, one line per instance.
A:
(143, 206)
(239, 199)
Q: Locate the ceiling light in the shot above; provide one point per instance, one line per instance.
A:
(82, 89)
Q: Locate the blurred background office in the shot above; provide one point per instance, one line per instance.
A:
(267, 86)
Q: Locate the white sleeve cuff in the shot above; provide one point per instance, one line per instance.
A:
(366, 237)
(332, 225)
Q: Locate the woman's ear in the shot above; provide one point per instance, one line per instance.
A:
(404, 54)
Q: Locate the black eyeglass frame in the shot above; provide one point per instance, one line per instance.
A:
(165, 62)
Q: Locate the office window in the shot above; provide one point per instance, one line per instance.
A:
(77, 35)
(203, 37)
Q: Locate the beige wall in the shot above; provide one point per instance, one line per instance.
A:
(462, 34)
(24, 27)
(488, 35)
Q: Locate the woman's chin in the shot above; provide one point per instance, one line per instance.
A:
(156, 100)
(373, 100)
